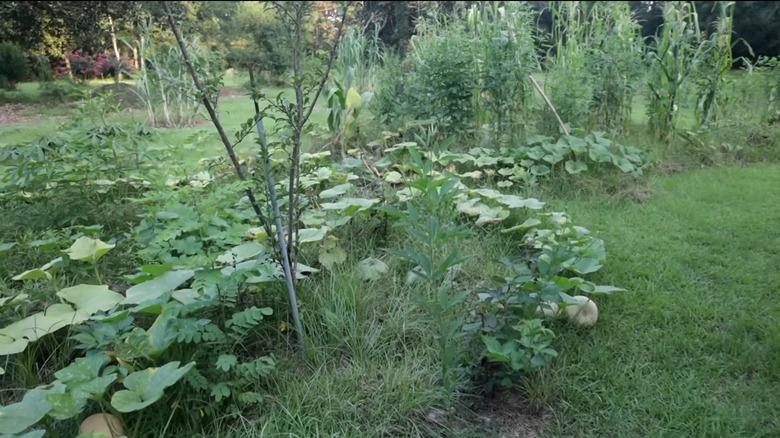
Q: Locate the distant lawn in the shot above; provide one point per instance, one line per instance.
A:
(233, 111)
(693, 348)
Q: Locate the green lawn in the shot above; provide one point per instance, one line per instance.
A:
(693, 348)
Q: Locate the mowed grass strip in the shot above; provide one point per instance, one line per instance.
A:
(693, 348)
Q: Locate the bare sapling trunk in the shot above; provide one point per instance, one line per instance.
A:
(301, 117)
(118, 65)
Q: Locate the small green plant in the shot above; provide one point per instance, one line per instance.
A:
(13, 66)
(344, 107)
(513, 339)
(428, 222)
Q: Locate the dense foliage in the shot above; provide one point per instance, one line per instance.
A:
(13, 65)
(138, 280)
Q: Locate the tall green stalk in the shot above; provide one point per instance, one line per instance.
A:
(679, 51)
(715, 67)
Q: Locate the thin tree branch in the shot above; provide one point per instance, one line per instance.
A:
(289, 274)
(301, 117)
(333, 52)
(550, 105)
(214, 118)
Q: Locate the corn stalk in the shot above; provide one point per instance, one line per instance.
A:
(679, 51)
(714, 69)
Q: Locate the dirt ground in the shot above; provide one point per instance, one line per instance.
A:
(21, 113)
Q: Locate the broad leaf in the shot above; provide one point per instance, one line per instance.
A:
(335, 191)
(513, 201)
(10, 345)
(372, 269)
(40, 324)
(529, 223)
(241, 252)
(83, 382)
(153, 289)
(350, 206)
(575, 167)
(5, 247)
(307, 235)
(17, 417)
(394, 177)
(331, 254)
(33, 274)
(90, 298)
(87, 249)
(147, 386)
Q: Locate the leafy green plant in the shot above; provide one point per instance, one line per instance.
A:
(13, 66)
(504, 48)
(344, 107)
(426, 250)
(123, 346)
(513, 339)
(442, 82)
(569, 82)
(615, 62)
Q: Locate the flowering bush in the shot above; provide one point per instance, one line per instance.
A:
(86, 66)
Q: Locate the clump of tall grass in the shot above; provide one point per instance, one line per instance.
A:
(359, 58)
(616, 64)
(165, 85)
(568, 82)
(505, 57)
(594, 64)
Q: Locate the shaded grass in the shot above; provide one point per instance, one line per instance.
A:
(693, 349)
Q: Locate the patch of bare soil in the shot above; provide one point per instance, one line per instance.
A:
(20, 113)
(509, 414)
(124, 95)
(504, 414)
(231, 92)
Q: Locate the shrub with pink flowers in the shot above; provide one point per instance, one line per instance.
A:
(87, 66)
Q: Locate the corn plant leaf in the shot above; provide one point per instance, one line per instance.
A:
(147, 386)
(354, 100)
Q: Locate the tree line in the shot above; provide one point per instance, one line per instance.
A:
(52, 28)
